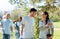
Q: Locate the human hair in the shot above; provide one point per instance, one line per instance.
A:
(33, 10)
(18, 19)
(47, 18)
(49, 35)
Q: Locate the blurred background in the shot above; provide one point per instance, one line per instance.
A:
(21, 8)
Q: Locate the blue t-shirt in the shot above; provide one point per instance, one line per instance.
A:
(18, 24)
(6, 25)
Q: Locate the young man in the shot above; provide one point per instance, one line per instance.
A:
(49, 36)
(0, 22)
(6, 25)
(27, 31)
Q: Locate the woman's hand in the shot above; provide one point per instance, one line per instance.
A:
(48, 24)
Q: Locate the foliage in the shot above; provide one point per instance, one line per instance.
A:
(49, 6)
(36, 29)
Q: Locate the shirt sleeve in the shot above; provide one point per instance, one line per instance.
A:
(52, 25)
(23, 20)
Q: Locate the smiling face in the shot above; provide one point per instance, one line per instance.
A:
(44, 15)
(33, 14)
(7, 16)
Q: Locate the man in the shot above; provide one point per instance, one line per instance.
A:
(6, 25)
(27, 30)
(0, 22)
(49, 36)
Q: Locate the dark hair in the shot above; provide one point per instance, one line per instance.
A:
(49, 35)
(33, 10)
(21, 18)
(17, 19)
(47, 18)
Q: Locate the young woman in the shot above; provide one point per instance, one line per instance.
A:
(44, 25)
(17, 26)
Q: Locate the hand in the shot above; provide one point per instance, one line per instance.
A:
(46, 26)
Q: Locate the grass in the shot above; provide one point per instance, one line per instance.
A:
(56, 34)
(0, 36)
(56, 31)
(57, 24)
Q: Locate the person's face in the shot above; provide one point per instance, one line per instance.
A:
(43, 15)
(8, 16)
(19, 19)
(33, 14)
(50, 37)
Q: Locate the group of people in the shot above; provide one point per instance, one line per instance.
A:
(25, 26)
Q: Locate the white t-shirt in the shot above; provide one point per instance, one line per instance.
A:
(28, 27)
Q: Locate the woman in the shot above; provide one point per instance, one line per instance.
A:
(17, 27)
(44, 25)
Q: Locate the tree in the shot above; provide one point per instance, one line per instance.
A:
(49, 6)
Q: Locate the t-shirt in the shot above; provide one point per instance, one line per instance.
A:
(28, 27)
(18, 24)
(52, 26)
(6, 25)
(0, 23)
(43, 30)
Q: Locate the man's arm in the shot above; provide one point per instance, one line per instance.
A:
(11, 26)
(1, 25)
(11, 29)
(22, 29)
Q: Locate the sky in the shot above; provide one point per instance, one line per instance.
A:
(6, 6)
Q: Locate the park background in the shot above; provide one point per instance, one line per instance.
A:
(21, 8)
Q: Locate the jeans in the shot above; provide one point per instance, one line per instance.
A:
(6, 36)
(26, 38)
(40, 38)
(17, 35)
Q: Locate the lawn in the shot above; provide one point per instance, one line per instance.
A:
(57, 24)
(56, 31)
(56, 34)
